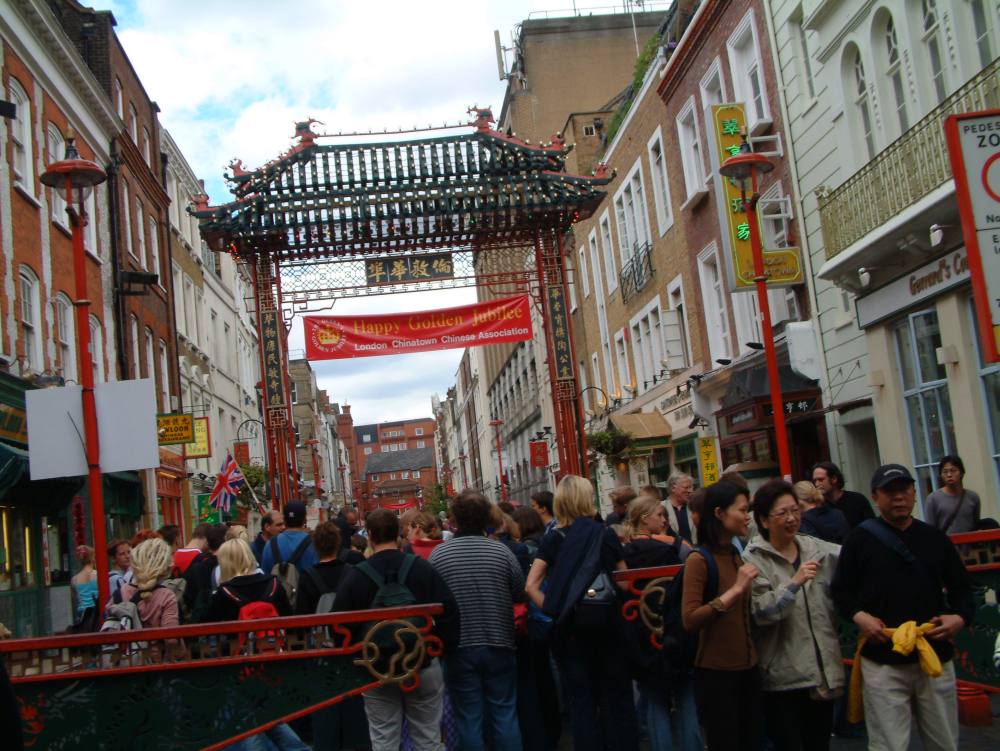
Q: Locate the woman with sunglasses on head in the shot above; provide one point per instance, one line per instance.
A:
(802, 670)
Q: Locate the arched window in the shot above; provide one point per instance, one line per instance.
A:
(20, 132)
(31, 326)
(65, 338)
(57, 151)
(97, 348)
(862, 105)
(932, 41)
(894, 73)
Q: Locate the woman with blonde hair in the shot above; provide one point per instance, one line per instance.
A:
(819, 518)
(237, 532)
(570, 581)
(152, 561)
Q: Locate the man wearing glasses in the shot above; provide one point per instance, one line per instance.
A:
(829, 480)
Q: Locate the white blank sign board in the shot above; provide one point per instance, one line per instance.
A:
(126, 425)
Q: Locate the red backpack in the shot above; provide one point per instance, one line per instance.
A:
(269, 640)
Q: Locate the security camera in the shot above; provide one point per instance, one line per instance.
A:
(937, 234)
(695, 422)
(864, 276)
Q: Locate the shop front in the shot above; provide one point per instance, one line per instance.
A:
(170, 476)
(36, 543)
(649, 453)
(745, 422)
(933, 392)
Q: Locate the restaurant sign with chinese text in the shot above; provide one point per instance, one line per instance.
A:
(708, 461)
(783, 266)
(506, 319)
(561, 345)
(270, 344)
(175, 428)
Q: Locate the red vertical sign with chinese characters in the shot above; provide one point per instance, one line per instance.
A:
(539, 454)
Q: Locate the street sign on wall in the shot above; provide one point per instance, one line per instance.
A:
(974, 147)
(782, 265)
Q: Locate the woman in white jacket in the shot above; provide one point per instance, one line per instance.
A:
(796, 636)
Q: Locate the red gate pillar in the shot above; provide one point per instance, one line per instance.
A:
(558, 332)
(272, 361)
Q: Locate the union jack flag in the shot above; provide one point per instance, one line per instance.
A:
(227, 484)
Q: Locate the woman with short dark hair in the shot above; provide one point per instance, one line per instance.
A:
(802, 670)
(726, 677)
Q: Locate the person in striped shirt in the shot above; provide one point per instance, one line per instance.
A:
(486, 580)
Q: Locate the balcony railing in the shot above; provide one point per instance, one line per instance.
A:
(907, 170)
(637, 271)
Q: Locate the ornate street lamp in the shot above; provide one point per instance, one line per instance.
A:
(743, 169)
(495, 424)
(73, 178)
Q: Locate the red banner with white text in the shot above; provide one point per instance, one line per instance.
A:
(507, 319)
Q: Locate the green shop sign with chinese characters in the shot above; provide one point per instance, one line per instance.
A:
(783, 266)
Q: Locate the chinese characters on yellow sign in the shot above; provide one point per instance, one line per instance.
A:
(560, 334)
(708, 461)
(410, 269)
(270, 344)
(201, 446)
(172, 429)
(783, 266)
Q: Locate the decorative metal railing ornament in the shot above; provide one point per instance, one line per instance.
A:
(637, 272)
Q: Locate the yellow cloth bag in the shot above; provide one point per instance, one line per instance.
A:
(905, 638)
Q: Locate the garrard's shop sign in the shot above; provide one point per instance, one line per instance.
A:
(678, 410)
(926, 282)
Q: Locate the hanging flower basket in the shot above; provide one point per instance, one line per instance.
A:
(613, 444)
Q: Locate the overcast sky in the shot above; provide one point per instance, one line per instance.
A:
(231, 78)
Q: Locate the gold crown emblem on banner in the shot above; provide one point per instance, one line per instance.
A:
(329, 336)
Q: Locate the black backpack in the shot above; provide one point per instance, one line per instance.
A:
(679, 645)
(286, 571)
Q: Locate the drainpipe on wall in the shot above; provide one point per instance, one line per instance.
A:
(119, 302)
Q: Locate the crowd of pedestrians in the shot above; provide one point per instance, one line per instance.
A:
(532, 629)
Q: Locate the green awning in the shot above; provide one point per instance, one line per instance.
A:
(13, 466)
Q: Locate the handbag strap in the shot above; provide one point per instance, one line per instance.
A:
(954, 514)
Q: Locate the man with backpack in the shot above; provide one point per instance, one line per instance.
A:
(289, 554)
(486, 580)
(318, 585)
(896, 570)
(392, 578)
(272, 525)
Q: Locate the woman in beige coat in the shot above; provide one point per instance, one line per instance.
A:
(796, 636)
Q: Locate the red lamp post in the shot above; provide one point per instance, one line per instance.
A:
(495, 424)
(74, 178)
(743, 168)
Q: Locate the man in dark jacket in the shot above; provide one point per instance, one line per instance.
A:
(198, 576)
(893, 570)
(288, 542)
(385, 705)
(829, 480)
(272, 525)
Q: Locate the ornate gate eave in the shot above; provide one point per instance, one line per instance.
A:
(320, 218)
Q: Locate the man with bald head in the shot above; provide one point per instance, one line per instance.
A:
(271, 525)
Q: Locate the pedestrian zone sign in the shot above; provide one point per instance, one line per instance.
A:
(974, 146)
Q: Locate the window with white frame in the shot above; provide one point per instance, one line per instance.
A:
(57, 151)
(164, 378)
(20, 133)
(133, 123)
(374, 478)
(134, 331)
(189, 311)
(420, 444)
(676, 336)
(859, 97)
(747, 73)
(119, 99)
(807, 84)
(572, 279)
(661, 185)
(581, 272)
(893, 73)
(368, 450)
(90, 230)
(595, 374)
(416, 474)
(712, 87)
(31, 325)
(172, 211)
(97, 348)
(689, 143)
(418, 431)
(127, 218)
(610, 269)
(393, 447)
(714, 303)
(982, 28)
(150, 356)
(934, 47)
(146, 147)
(647, 344)
(154, 251)
(65, 339)
(775, 211)
(140, 229)
(630, 207)
(621, 360)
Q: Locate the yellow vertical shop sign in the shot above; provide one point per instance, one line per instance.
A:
(201, 447)
(708, 461)
(783, 266)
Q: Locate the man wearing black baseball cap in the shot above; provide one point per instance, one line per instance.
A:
(892, 570)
